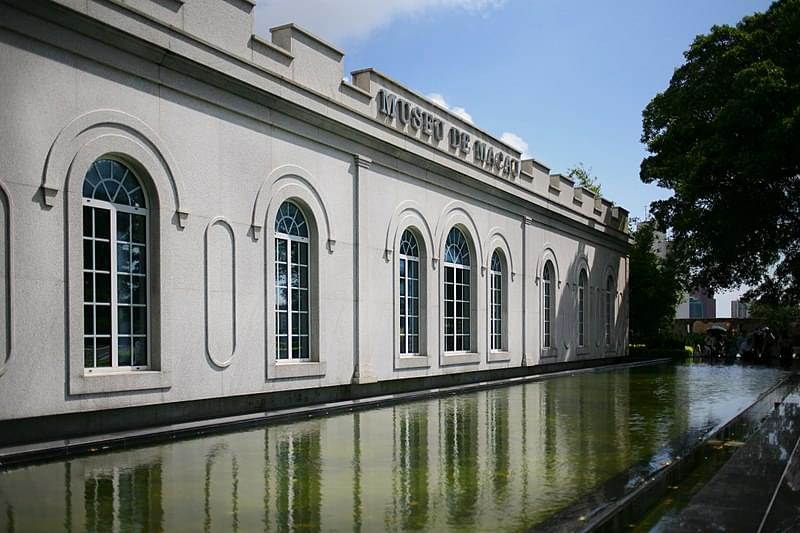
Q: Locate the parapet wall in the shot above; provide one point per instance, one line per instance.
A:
(308, 62)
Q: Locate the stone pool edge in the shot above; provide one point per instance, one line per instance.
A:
(24, 453)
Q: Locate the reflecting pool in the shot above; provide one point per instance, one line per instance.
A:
(502, 459)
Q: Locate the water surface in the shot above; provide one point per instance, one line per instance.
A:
(502, 459)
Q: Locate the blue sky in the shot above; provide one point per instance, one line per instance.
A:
(569, 78)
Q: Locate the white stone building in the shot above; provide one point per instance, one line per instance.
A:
(197, 217)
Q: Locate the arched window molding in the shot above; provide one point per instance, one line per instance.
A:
(498, 281)
(548, 340)
(411, 221)
(6, 281)
(456, 214)
(140, 160)
(583, 307)
(129, 135)
(497, 243)
(583, 314)
(609, 295)
(288, 181)
(296, 190)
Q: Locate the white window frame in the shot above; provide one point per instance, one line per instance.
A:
(548, 295)
(467, 272)
(288, 239)
(113, 209)
(610, 291)
(404, 283)
(497, 319)
(583, 282)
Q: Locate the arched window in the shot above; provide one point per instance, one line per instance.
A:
(457, 302)
(292, 297)
(609, 311)
(583, 280)
(115, 268)
(548, 298)
(409, 294)
(496, 302)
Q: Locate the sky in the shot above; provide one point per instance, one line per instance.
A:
(564, 81)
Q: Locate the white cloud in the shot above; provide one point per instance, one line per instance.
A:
(346, 19)
(515, 141)
(460, 112)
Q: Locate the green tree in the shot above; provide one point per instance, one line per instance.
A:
(655, 289)
(584, 177)
(725, 137)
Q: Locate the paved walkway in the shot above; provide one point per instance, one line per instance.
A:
(758, 489)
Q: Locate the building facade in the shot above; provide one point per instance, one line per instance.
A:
(191, 211)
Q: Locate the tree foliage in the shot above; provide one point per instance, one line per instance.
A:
(584, 177)
(655, 290)
(725, 137)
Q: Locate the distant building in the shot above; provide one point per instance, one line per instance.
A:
(739, 310)
(699, 303)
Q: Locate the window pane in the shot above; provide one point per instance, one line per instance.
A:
(140, 320)
(280, 275)
(283, 323)
(124, 320)
(138, 229)
(403, 344)
(295, 276)
(102, 287)
(88, 319)
(102, 256)
(305, 352)
(280, 250)
(304, 254)
(88, 263)
(123, 258)
(282, 347)
(88, 287)
(140, 351)
(123, 289)
(88, 352)
(449, 344)
(402, 268)
(138, 260)
(304, 323)
(280, 298)
(296, 354)
(104, 351)
(304, 277)
(295, 251)
(303, 300)
(124, 351)
(295, 323)
(102, 224)
(139, 287)
(87, 221)
(103, 316)
(448, 274)
(123, 226)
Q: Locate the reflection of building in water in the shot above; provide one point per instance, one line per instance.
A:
(124, 499)
(411, 484)
(298, 488)
(462, 470)
(497, 413)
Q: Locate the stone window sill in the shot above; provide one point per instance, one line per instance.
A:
(106, 382)
(460, 359)
(499, 356)
(305, 369)
(412, 361)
